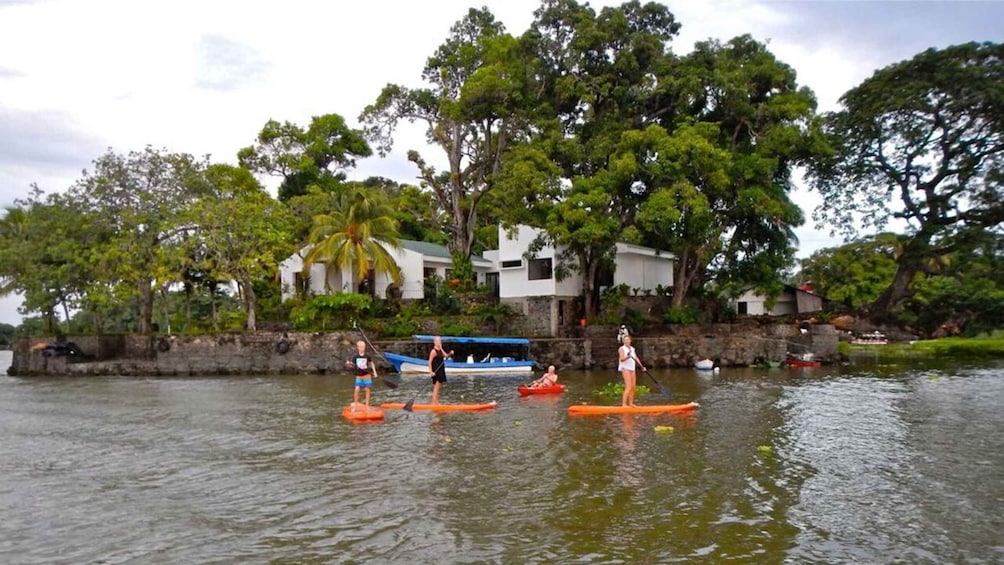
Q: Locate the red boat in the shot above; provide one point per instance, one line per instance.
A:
(551, 389)
(796, 362)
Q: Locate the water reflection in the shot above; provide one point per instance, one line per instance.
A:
(834, 466)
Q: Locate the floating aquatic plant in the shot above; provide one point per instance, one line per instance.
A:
(664, 429)
(615, 390)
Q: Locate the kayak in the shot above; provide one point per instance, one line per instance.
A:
(361, 413)
(441, 407)
(578, 409)
(551, 389)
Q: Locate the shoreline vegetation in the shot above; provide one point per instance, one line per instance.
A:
(981, 347)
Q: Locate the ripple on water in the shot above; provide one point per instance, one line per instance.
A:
(856, 467)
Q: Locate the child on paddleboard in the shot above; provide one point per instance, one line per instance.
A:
(549, 378)
(627, 358)
(365, 372)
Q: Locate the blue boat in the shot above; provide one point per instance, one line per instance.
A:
(472, 356)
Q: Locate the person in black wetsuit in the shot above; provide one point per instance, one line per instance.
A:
(437, 366)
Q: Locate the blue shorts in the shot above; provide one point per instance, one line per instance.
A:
(364, 382)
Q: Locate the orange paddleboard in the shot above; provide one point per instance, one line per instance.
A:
(441, 407)
(362, 413)
(579, 409)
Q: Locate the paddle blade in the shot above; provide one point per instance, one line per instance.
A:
(662, 388)
(409, 406)
(390, 383)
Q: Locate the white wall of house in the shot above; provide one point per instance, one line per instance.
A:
(756, 304)
(642, 267)
(412, 264)
(515, 270)
(638, 267)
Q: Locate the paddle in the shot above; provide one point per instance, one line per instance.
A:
(388, 383)
(663, 389)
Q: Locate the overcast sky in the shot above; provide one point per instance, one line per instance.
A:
(202, 77)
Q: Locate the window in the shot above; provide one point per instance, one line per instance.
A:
(742, 308)
(512, 264)
(539, 269)
(301, 283)
(428, 273)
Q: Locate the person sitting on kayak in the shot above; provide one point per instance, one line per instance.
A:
(365, 372)
(550, 378)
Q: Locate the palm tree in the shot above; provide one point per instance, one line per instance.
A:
(356, 233)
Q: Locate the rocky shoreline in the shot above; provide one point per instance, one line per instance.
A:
(276, 353)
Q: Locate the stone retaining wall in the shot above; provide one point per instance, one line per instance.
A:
(318, 353)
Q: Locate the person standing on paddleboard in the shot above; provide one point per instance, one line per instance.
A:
(437, 366)
(365, 370)
(627, 357)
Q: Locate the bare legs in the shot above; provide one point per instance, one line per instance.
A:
(630, 378)
(435, 392)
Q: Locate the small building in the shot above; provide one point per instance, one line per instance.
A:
(792, 300)
(529, 284)
(418, 260)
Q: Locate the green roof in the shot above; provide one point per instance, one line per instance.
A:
(435, 250)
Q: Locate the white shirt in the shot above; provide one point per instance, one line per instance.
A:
(628, 363)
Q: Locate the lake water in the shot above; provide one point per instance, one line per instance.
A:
(861, 464)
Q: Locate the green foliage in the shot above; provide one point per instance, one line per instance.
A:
(680, 315)
(448, 326)
(633, 318)
(463, 272)
(920, 141)
(616, 389)
(494, 314)
(469, 109)
(315, 156)
(854, 274)
(330, 311)
(439, 297)
(358, 233)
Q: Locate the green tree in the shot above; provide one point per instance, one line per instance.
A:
(357, 233)
(140, 201)
(469, 113)
(317, 155)
(243, 231)
(594, 76)
(856, 273)
(742, 232)
(920, 141)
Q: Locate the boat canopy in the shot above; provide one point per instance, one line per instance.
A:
(485, 340)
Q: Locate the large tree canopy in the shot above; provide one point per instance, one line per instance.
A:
(920, 141)
(469, 111)
(317, 155)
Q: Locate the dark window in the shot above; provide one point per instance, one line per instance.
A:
(513, 264)
(539, 269)
(301, 283)
(428, 273)
(605, 277)
(742, 308)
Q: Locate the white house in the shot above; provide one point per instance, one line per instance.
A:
(792, 300)
(417, 260)
(530, 285)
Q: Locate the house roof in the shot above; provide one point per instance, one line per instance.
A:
(441, 251)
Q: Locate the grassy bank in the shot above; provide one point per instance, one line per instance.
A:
(968, 347)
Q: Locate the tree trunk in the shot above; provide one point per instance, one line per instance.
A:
(145, 306)
(898, 290)
(250, 303)
(681, 279)
(588, 282)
